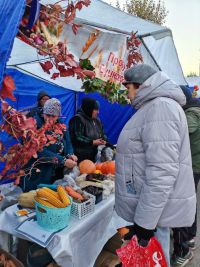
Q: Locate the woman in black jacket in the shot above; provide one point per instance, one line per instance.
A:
(86, 130)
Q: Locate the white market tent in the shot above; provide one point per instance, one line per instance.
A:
(158, 47)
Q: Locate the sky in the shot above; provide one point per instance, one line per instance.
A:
(184, 21)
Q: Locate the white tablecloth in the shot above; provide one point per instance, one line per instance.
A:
(81, 242)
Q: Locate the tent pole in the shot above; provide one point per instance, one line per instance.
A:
(76, 102)
(105, 27)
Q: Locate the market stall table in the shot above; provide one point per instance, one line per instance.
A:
(81, 242)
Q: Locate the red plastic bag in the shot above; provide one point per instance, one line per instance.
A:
(134, 255)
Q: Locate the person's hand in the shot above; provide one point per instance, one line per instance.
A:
(69, 163)
(73, 157)
(103, 142)
(99, 142)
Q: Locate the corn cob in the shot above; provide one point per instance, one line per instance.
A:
(50, 198)
(63, 195)
(48, 190)
(44, 202)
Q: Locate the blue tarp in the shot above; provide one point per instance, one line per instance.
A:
(27, 88)
(10, 15)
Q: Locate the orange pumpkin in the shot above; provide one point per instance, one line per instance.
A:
(108, 167)
(98, 166)
(87, 166)
(98, 172)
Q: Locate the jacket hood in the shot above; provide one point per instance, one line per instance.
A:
(88, 105)
(158, 85)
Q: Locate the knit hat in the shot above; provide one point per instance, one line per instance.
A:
(190, 102)
(52, 107)
(88, 105)
(41, 94)
(138, 74)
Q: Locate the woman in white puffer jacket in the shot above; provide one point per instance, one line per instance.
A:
(154, 178)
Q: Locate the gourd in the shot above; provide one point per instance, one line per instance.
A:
(87, 166)
(26, 200)
(108, 167)
(99, 166)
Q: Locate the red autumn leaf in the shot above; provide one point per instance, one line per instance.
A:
(55, 75)
(4, 107)
(75, 28)
(70, 61)
(60, 67)
(28, 124)
(86, 2)
(70, 13)
(89, 73)
(66, 72)
(7, 88)
(79, 72)
(79, 5)
(46, 66)
(82, 3)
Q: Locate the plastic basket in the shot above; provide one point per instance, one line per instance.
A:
(52, 219)
(81, 210)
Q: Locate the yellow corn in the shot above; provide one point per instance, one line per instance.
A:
(48, 190)
(63, 195)
(44, 202)
(50, 198)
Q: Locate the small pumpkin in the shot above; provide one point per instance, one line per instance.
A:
(108, 167)
(87, 166)
(98, 172)
(98, 166)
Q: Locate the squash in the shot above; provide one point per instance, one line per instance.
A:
(26, 200)
(87, 166)
(99, 166)
(108, 167)
(98, 172)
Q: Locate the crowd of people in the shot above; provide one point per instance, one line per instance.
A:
(157, 158)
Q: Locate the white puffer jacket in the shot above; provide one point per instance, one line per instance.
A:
(154, 178)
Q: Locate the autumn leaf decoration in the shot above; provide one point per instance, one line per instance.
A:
(29, 141)
(134, 55)
(44, 36)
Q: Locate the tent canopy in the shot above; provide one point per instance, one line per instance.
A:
(158, 48)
